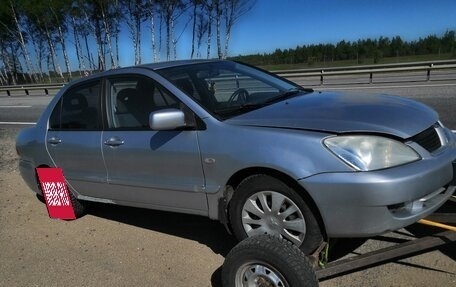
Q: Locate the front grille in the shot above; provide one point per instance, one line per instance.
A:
(428, 139)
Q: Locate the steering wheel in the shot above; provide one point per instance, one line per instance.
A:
(238, 97)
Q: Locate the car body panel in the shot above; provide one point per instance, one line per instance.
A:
(31, 148)
(277, 149)
(63, 154)
(343, 113)
(376, 213)
(145, 168)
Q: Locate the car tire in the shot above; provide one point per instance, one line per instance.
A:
(247, 213)
(266, 260)
(41, 198)
(79, 208)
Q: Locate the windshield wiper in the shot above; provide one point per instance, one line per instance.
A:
(285, 95)
(236, 109)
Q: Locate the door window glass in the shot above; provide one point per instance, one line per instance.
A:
(134, 98)
(78, 109)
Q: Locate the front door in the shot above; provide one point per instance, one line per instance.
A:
(156, 169)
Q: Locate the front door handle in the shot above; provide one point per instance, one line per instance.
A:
(114, 141)
(54, 140)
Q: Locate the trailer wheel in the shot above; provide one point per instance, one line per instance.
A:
(267, 261)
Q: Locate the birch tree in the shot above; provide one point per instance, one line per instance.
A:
(218, 7)
(91, 17)
(75, 25)
(116, 28)
(135, 16)
(197, 6)
(171, 10)
(9, 58)
(21, 39)
(7, 39)
(38, 43)
(201, 30)
(234, 9)
(151, 9)
(108, 15)
(34, 33)
(41, 19)
(100, 18)
(209, 8)
(60, 11)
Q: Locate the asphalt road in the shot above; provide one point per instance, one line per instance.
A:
(121, 246)
(22, 109)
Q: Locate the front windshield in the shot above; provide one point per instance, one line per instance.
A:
(227, 89)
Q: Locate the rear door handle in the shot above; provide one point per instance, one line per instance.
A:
(114, 141)
(54, 140)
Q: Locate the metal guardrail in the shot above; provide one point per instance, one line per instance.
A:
(428, 67)
(28, 88)
(378, 66)
(322, 73)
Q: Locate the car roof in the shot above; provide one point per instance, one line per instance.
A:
(169, 64)
(152, 66)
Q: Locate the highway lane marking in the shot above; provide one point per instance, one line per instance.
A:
(15, 106)
(383, 87)
(17, 123)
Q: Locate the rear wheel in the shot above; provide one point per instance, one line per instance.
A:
(262, 204)
(79, 207)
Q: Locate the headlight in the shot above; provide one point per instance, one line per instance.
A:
(365, 153)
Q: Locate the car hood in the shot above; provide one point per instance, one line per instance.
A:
(343, 113)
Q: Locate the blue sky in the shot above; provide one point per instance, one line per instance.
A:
(287, 23)
(283, 24)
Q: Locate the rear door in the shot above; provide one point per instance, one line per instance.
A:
(74, 138)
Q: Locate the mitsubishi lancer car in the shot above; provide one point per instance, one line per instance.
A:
(237, 144)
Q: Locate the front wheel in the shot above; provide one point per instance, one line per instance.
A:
(266, 260)
(262, 204)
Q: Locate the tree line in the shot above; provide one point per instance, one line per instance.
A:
(359, 51)
(36, 34)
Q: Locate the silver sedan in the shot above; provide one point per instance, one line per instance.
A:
(240, 145)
